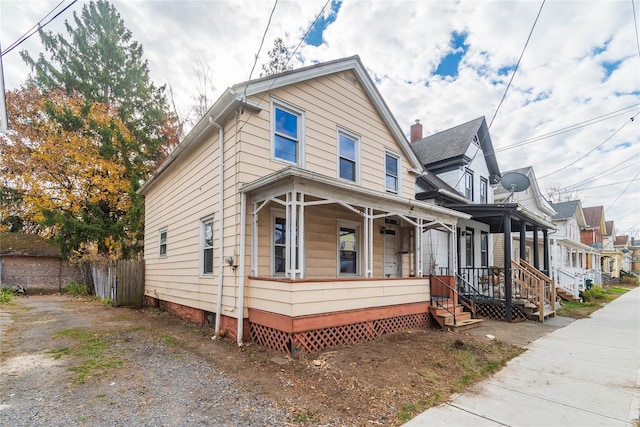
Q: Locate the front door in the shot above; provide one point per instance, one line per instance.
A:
(391, 253)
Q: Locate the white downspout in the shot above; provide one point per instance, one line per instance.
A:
(220, 227)
(241, 276)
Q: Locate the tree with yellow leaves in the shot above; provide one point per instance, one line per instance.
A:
(60, 156)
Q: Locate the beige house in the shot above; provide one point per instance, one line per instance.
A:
(287, 215)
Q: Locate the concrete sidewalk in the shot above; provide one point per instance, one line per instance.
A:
(585, 374)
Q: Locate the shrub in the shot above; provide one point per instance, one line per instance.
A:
(595, 293)
(6, 295)
(628, 280)
(75, 288)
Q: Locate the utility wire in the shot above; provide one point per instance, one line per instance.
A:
(593, 149)
(286, 63)
(623, 191)
(517, 65)
(32, 31)
(570, 128)
(244, 96)
(505, 91)
(635, 23)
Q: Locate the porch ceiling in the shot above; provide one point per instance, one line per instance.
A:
(494, 215)
(323, 187)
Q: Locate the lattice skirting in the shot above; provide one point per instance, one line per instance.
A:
(319, 339)
(498, 311)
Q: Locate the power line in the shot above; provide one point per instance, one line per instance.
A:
(288, 59)
(260, 48)
(32, 31)
(600, 174)
(635, 23)
(623, 191)
(569, 128)
(594, 148)
(517, 65)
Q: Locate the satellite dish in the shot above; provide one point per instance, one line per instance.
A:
(515, 182)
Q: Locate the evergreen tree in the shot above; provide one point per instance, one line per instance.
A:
(99, 61)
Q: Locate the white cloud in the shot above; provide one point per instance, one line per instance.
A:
(560, 81)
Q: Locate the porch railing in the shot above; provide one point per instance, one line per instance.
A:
(483, 282)
(570, 281)
(533, 286)
(440, 292)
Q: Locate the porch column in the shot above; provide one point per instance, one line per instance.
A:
(545, 252)
(418, 243)
(294, 244)
(453, 251)
(254, 239)
(536, 251)
(507, 264)
(368, 242)
(523, 239)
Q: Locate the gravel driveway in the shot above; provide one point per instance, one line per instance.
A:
(156, 379)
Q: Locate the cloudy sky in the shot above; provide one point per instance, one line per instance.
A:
(572, 110)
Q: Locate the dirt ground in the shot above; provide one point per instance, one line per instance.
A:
(384, 382)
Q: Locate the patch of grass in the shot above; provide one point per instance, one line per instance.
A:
(594, 299)
(617, 290)
(76, 289)
(6, 295)
(412, 409)
(170, 341)
(91, 350)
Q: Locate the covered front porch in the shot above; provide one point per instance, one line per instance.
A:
(512, 288)
(333, 263)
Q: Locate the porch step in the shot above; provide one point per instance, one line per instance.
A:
(445, 318)
(567, 296)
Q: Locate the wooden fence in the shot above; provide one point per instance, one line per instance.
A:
(121, 281)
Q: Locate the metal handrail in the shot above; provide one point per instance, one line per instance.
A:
(437, 302)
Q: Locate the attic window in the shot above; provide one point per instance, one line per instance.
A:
(476, 140)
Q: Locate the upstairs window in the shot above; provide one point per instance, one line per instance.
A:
(162, 237)
(348, 150)
(287, 124)
(392, 163)
(468, 184)
(483, 190)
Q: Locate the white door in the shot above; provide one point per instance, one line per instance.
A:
(391, 255)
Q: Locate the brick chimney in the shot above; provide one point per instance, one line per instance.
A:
(416, 131)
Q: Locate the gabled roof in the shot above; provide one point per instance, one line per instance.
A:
(501, 193)
(569, 209)
(594, 215)
(609, 228)
(621, 241)
(449, 147)
(235, 98)
(19, 244)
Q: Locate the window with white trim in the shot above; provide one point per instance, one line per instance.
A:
(484, 185)
(468, 246)
(279, 239)
(392, 172)
(348, 154)
(162, 238)
(206, 246)
(348, 248)
(287, 124)
(468, 184)
(484, 249)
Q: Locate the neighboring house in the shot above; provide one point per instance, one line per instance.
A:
(287, 215)
(635, 256)
(611, 257)
(600, 234)
(623, 246)
(570, 258)
(526, 246)
(34, 262)
(462, 174)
